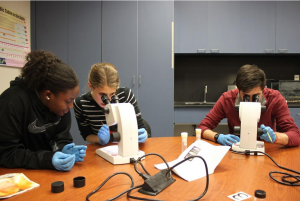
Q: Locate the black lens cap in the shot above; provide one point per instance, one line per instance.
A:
(260, 194)
(79, 182)
(57, 187)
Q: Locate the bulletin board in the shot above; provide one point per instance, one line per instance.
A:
(14, 38)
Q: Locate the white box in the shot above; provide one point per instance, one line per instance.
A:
(296, 77)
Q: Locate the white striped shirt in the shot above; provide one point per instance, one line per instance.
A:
(90, 116)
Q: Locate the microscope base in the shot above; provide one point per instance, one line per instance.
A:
(114, 158)
(260, 146)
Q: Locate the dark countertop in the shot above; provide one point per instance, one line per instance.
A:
(211, 104)
(294, 105)
(194, 104)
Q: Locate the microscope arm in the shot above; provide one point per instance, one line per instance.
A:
(237, 131)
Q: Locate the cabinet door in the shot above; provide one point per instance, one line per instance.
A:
(84, 46)
(211, 27)
(119, 39)
(288, 27)
(84, 41)
(224, 26)
(295, 113)
(193, 115)
(190, 115)
(191, 26)
(258, 27)
(51, 29)
(156, 90)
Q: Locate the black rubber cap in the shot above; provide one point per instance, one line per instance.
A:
(260, 194)
(57, 187)
(79, 182)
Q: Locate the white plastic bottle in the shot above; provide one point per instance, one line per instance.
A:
(198, 133)
(184, 136)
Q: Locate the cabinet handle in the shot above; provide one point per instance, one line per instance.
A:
(133, 80)
(282, 50)
(298, 114)
(214, 50)
(140, 80)
(269, 50)
(201, 50)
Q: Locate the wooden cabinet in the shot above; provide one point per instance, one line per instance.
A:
(295, 113)
(84, 46)
(119, 40)
(72, 31)
(137, 40)
(207, 27)
(224, 26)
(135, 36)
(155, 72)
(51, 28)
(192, 115)
(191, 26)
(237, 27)
(258, 27)
(287, 27)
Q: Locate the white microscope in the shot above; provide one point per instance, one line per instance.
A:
(249, 113)
(128, 147)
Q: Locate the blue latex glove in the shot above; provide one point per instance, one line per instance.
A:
(142, 135)
(63, 162)
(265, 136)
(103, 134)
(77, 150)
(228, 139)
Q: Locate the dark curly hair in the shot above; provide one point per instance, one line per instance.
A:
(43, 70)
(249, 77)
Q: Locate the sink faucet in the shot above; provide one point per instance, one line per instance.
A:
(205, 93)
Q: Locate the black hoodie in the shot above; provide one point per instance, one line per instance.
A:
(30, 133)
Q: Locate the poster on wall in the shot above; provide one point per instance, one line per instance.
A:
(14, 39)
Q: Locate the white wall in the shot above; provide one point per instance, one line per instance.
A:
(9, 73)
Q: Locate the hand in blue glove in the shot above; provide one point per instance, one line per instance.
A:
(77, 150)
(63, 162)
(265, 136)
(228, 139)
(142, 135)
(103, 135)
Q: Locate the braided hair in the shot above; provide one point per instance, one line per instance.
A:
(43, 70)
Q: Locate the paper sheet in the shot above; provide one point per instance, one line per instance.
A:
(20, 184)
(195, 169)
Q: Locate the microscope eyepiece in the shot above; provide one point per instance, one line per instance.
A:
(255, 98)
(105, 99)
(246, 98)
(115, 99)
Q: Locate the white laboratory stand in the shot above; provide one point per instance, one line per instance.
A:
(249, 113)
(128, 147)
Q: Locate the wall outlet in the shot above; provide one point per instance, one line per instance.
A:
(296, 77)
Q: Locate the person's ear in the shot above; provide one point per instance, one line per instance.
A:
(90, 86)
(48, 95)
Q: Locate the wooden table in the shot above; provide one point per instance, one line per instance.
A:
(235, 173)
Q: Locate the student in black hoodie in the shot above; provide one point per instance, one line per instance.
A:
(35, 116)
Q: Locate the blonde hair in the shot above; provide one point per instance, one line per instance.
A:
(103, 74)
